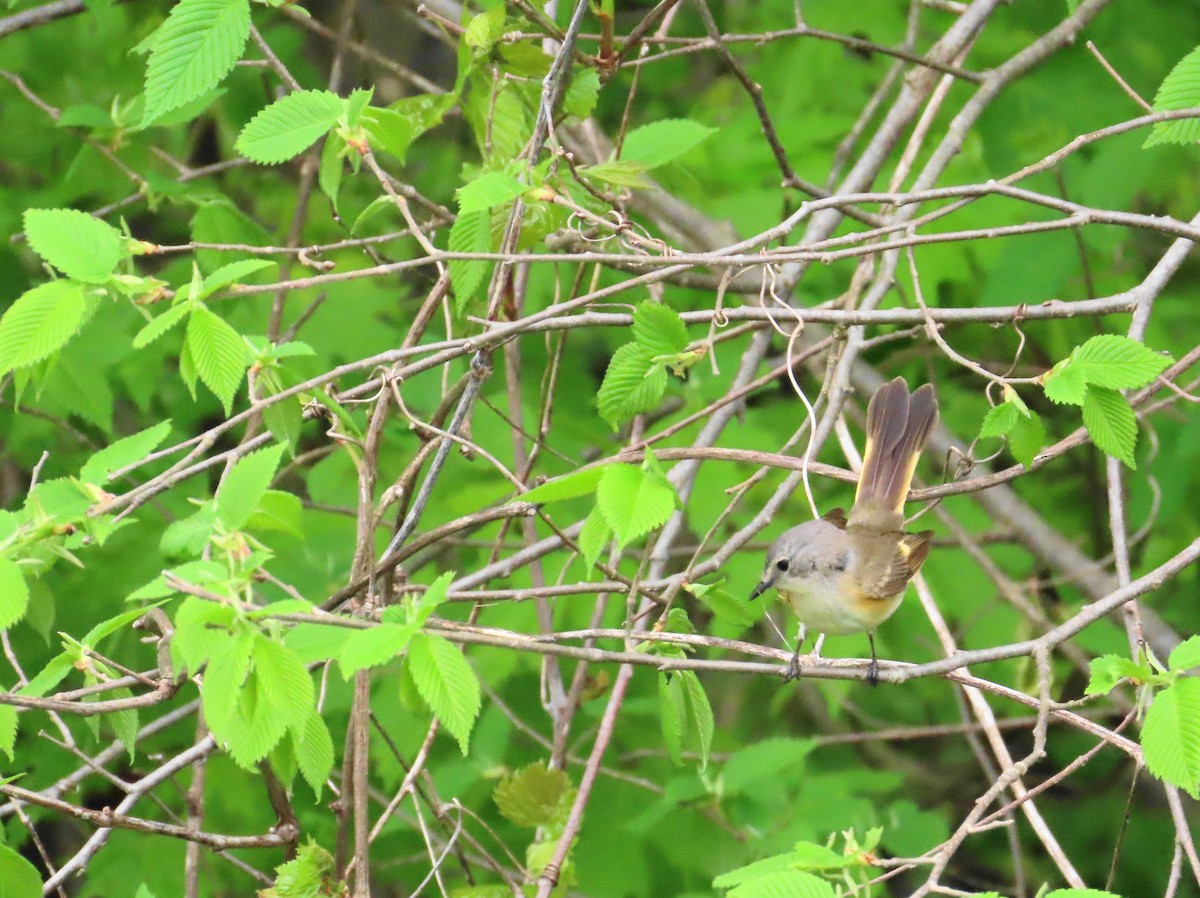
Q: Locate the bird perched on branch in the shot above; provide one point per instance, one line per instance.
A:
(847, 575)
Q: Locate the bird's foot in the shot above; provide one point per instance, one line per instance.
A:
(797, 661)
(873, 673)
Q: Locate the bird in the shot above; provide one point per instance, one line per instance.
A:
(847, 574)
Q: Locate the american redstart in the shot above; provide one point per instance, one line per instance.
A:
(847, 575)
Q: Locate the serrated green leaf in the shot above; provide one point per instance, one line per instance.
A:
(333, 166)
(314, 752)
(8, 730)
(1027, 438)
(633, 383)
(593, 537)
(659, 329)
(484, 30)
(999, 420)
(228, 664)
(187, 537)
(374, 646)
(633, 501)
(811, 856)
(14, 593)
(658, 143)
(470, 233)
(619, 173)
(1108, 670)
(1066, 384)
(687, 717)
(446, 683)
(231, 274)
(569, 486)
(218, 352)
(356, 104)
(79, 245)
(18, 877)
(194, 49)
(159, 325)
(317, 642)
(289, 126)
(1111, 424)
(784, 884)
(256, 725)
(125, 451)
(245, 485)
(1118, 363)
(583, 90)
(311, 874)
(284, 681)
(1171, 735)
(774, 864)
(40, 323)
(532, 795)
(1179, 90)
(390, 131)
(490, 189)
(277, 510)
(1186, 655)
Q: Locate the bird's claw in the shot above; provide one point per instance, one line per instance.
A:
(797, 661)
(873, 673)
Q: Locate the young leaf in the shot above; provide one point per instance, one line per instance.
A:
(1111, 424)
(1108, 670)
(1171, 735)
(687, 718)
(531, 796)
(659, 330)
(289, 126)
(245, 485)
(8, 730)
(1066, 383)
(790, 883)
(579, 99)
(79, 245)
(487, 191)
(187, 537)
(1186, 655)
(569, 486)
(311, 874)
(658, 143)
(194, 49)
(14, 593)
(218, 352)
(158, 326)
(284, 681)
(633, 383)
(18, 877)
(446, 683)
(727, 607)
(256, 725)
(231, 274)
(314, 752)
(1179, 90)
(390, 131)
(470, 233)
(374, 646)
(40, 323)
(1119, 363)
(123, 452)
(333, 165)
(593, 537)
(1027, 438)
(999, 420)
(619, 173)
(634, 501)
(277, 510)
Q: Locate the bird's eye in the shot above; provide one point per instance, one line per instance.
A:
(782, 564)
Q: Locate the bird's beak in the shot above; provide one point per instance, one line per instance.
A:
(760, 589)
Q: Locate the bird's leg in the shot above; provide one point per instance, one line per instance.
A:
(793, 667)
(873, 667)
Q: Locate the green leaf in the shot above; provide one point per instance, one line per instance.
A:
(232, 274)
(633, 383)
(687, 717)
(374, 646)
(620, 173)
(48, 677)
(289, 126)
(159, 325)
(187, 537)
(110, 626)
(484, 30)
(8, 730)
(40, 323)
(999, 420)
(314, 752)
(194, 49)
(470, 233)
(634, 501)
(658, 143)
(659, 329)
(98, 469)
(775, 864)
(1080, 893)
(1066, 383)
(487, 191)
(569, 486)
(390, 131)
(333, 165)
(277, 510)
(593, 537)
(310, 875)
(784, 884)
(1118, 363)
(317, 642)
(811, 856)
(1186, 655)
(1179, 90)
(1171, 735)
(1027, 438)
(14, 593)
(245, 485)
(583, 90)
(356, 104)
(1111, 424)
(1108, 670)
(79, 245)
(284, 681)
(428, 601)
(446, 683)
(18, 877)
(218, 352)
(256, 725)
(726, 606)
(532, 795)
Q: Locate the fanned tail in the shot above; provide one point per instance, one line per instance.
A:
(898, 426)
